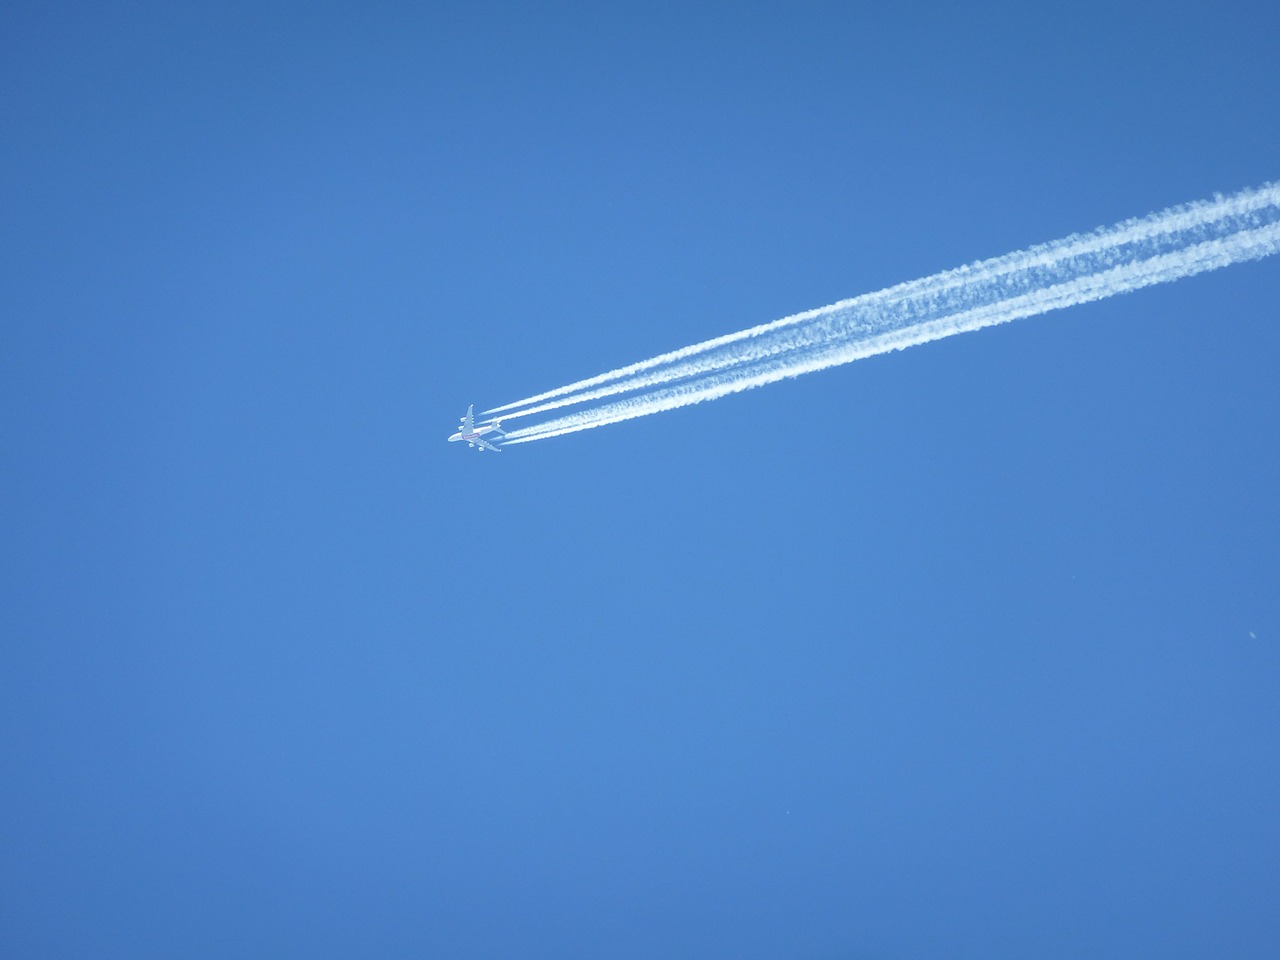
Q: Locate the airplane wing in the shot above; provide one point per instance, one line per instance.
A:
(486, 444)
(469, 421)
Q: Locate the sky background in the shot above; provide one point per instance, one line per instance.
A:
(966, 651)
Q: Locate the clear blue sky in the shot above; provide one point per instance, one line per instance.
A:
(970, 651)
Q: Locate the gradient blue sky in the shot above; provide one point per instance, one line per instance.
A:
(969, 651)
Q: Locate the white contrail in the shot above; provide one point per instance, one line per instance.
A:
(1209, 256)
(1158, 248)
(1106, 244)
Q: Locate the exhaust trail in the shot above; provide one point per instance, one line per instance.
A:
(795, 363)
(1107, 243)
(1159, 248)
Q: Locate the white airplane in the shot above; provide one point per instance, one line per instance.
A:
(470, 433)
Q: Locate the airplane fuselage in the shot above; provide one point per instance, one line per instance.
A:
(475, 434)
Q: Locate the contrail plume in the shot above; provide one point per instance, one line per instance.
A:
(1159, 248)
(1109, 242)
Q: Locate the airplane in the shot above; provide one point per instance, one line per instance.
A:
(469, 432)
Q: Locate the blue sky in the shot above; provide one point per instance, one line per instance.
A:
(967, 651)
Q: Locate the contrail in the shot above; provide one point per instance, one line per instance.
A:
(1159, 248)
(1104, 244)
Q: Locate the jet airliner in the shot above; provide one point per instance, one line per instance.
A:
(472, 434)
